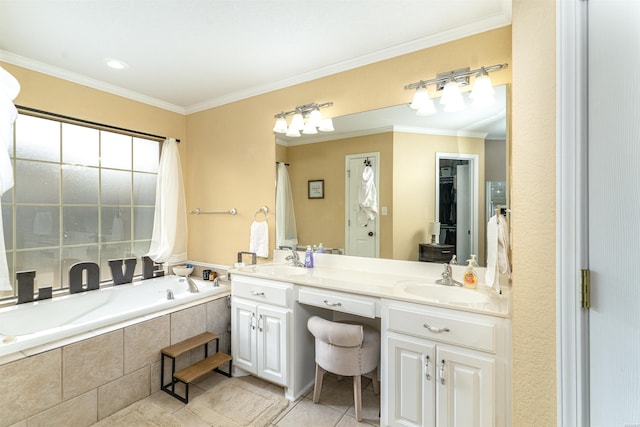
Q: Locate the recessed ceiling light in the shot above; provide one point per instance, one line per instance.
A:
(116, 64)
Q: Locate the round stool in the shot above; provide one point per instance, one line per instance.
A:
(345, 349)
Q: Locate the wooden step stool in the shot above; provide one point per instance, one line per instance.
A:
(198, 369)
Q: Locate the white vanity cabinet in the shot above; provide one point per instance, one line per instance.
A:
(443, 367)
(260, 322)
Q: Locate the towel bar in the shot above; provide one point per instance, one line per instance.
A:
(198, 211)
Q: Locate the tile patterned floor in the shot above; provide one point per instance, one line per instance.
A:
(335, 408)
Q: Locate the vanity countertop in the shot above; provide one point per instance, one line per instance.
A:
(397, 280)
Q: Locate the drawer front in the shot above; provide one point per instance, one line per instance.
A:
(338, 301)
(260, 290)
(474, 334)
(436, 253)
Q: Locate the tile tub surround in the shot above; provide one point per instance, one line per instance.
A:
(83, 382)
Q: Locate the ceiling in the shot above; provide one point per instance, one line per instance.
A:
(190, 55)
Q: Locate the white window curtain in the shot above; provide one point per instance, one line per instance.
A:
(286, 231)
(169, 238)
(9, 89)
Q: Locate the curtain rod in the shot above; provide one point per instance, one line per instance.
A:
(87, 122)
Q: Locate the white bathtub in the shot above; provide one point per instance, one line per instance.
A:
(32, 324)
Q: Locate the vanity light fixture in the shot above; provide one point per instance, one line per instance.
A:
(449, 83)
(306, 119)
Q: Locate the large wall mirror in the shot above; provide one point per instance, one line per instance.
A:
(450, 168)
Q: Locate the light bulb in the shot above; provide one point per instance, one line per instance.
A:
(309, 128)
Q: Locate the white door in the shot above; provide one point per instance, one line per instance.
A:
(361, 240)
(614, 207)
(243, 335)
(272, 344)
(411, 387)
(463, 213)
(466, 391)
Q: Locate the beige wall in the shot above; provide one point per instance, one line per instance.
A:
(533, 217)
(229, 156)
(414, 183)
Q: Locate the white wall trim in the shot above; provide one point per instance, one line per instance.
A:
(571, 204)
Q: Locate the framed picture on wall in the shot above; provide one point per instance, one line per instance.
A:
(316, 189)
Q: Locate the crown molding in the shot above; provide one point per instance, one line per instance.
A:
(63, 74)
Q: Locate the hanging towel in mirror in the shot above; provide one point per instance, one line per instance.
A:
(497, 251)
(367, 197)
(259, 240)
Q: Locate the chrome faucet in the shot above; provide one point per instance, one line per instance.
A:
(170, 294)
(294, 258)
(447, 277)
(193, 288)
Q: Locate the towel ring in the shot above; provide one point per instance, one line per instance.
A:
(265, 211)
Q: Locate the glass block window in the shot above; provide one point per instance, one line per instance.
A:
(80, 194)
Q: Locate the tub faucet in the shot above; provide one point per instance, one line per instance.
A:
(447, 277)
(193, 288)
(295, 259)
(170, 294)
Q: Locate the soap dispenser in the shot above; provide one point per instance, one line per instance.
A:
(308, 257)
(320, 249)
(470, 276)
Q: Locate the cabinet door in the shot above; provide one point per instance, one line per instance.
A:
(465, 388)
(243, 335)
(272, 344)
(411, 382)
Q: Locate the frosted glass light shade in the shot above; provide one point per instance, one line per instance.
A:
(314, 118)
(309, 128)
(326, 125)
(427, 109)
(280, 126)
(483, 94)
(294, 133)
(420, 99)
(452, 98)
(297, 122)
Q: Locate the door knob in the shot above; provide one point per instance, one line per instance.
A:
(370, 233)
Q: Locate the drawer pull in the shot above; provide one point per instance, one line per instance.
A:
(445, 252)
(257, 293)
(442, 373)
(435, 328)
(332, 304)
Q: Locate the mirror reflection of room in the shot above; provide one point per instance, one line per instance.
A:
(408, 147)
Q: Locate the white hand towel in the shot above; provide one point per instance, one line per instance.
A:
(504, 265)
(497, 251)
(492, 251)
(259, 241)
(367, 197)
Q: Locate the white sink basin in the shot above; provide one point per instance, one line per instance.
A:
(447, 294)
(279, 270)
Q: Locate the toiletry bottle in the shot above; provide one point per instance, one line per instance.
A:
(308, 257)
(320, 249)
(470, 277)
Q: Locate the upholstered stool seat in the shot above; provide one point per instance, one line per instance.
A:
(348, 350)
